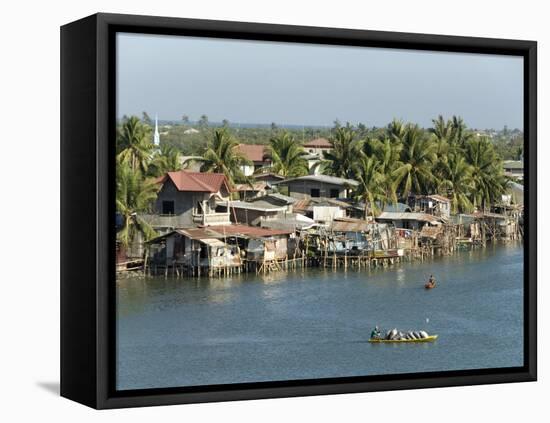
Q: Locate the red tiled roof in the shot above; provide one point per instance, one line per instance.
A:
(319, 143)
(196, 181)
(253, 152)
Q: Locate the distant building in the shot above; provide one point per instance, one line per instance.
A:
(432, 204)
(156, 136)
(318, 186)
(188, 198)
(268, 177)
(191, 131)
(513, 169)
(318, 146)
(315, 149)
(322, 209)
(257, 155)
(252, 190)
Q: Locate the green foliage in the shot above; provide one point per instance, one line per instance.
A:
(370, 189)
(134, 146)
(223, 156)
(342, 158)
(135, 194)
(418, 157)
(165, 159)
(456, 182)
(389, 163)
(287, 156)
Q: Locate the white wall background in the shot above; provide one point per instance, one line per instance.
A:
(29, 278)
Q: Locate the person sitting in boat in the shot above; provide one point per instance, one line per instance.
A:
(431, 281)
(375, 334)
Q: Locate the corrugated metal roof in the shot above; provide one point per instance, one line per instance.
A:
(252, 231)
(430, 231)
(255, 186)
(307, 204)
(439, 198)
(268, 175)
(257, 205)
(421, 217)
(212, 242)
(322, 179)
(350, 225)
(224, 231)
(490, 215)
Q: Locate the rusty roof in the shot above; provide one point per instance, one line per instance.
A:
(350, 225)
(254, 186)
(250, 231)
(196, 181)
(224, 231)
(318, 143)
(301, 205)
(481, 215)
(253, 152)
(430, 231)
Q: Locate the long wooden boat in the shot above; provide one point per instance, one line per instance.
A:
(430, 338)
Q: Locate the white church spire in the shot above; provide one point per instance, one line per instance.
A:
(156, 136)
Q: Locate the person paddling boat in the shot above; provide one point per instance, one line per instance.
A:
(431, 283)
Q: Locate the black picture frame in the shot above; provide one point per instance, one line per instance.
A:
(87, 231)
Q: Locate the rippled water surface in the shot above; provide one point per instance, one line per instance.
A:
(315, 324)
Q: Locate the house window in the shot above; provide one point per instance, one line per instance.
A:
(334, 193)
(167, 207)
(315, 192)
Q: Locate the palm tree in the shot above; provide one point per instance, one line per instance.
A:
(459, 133)
(222, 156)
(396, 130)
(134, 145)
(442, 132)
(414, 174)
(287, 156)
(457, 183)
(341, 159)
(370, 180)
(166, 159)
(489, 182)
(387, 154)
(134, 195)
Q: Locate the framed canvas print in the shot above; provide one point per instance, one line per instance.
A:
(255, 211)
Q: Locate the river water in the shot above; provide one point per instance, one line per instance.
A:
(316, 323)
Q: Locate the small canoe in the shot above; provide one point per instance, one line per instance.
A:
(429, 285)
(430, 338)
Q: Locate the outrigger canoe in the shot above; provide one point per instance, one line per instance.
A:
(430, 338)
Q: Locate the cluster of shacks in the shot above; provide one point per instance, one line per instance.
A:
(207, 227)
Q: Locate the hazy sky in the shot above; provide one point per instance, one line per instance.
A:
(264, 82)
